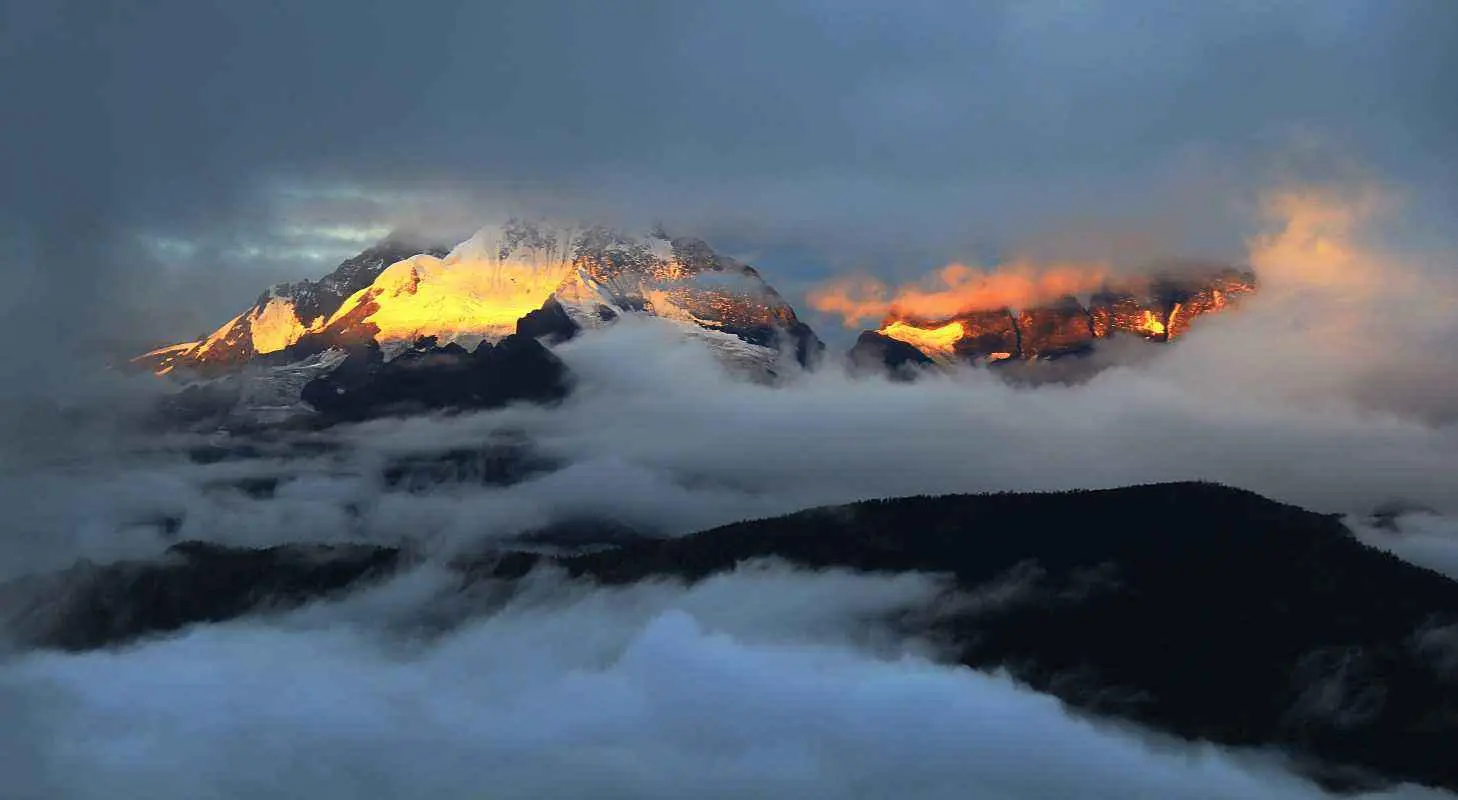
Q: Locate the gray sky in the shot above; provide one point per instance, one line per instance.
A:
(190, 152)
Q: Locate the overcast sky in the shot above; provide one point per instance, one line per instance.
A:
(200, 150)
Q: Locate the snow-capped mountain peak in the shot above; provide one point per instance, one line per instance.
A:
(462, 298)
(395, 293)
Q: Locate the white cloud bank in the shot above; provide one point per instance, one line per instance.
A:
(756, 684)
(1329, 389)
(749, 685)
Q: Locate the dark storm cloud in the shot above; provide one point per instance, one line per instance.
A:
(851, 127)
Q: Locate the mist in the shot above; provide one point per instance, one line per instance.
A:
(758, 682)
(768, 680)
(1311, 393)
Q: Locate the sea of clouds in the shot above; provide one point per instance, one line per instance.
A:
(1331, 388)
(758, 683)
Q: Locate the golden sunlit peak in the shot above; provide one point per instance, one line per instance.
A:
(1150, 325)
(935, 342)
(463, 296)
(171, 349)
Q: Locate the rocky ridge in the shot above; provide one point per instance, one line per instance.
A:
(1158, 309)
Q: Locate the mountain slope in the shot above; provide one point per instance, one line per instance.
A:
(684, 280)
(396, 293)
(1158, 309)
(283, 314)
(1207, 612)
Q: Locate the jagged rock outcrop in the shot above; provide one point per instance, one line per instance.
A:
(550, 324)
(430, 377)
(1112, 311)
(1158, 309)
(1062, 328)
(1188, 302)
(874, 350)
(988, 334)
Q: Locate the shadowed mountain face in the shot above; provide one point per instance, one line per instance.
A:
(1160, 309)
(428, 377)
(874, 350)
(355, 382)
(1207, 612)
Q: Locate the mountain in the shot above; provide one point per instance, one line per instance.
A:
(428, 377)
(1158, 309)
(1206, 612)
(461, 319)
(398, 292)
(284, 313)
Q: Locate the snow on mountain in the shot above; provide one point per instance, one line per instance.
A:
(545, 282)
(683, 280)
(282, 315)
(475, 293)
(480, 289)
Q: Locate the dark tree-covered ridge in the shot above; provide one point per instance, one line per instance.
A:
(1207, 612)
